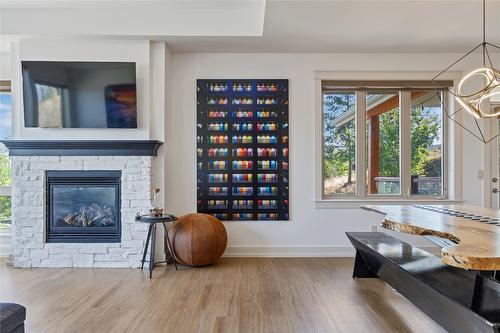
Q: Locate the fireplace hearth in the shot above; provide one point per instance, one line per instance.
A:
(83, 206)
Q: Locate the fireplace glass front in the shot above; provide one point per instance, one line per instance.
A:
(83, 206)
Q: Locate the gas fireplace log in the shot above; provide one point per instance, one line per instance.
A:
(92, 215)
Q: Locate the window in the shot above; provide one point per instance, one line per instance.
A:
(383, 144)
(50, 104)
(5, 132)
(339, 145)
(426, 124)
(382, 141)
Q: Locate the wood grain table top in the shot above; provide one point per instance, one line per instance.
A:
(475, 230)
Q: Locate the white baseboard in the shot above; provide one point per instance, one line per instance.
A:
(5, 251)
(289, 251)
(300, 251)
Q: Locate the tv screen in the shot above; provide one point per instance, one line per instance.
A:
(59, 94)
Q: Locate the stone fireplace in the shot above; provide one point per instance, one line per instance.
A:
(75, 209)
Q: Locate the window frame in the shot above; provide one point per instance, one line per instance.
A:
(6, 87)
(394, 81)
(346, 196)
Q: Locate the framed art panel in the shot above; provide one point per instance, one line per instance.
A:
(242, 149)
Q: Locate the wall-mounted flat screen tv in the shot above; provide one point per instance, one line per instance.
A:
(61, 94)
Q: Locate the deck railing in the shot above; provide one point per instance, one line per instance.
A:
(419, 185)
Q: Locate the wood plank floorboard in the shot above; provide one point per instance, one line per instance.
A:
(236, 295)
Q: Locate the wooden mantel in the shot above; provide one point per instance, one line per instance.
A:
(478, 243)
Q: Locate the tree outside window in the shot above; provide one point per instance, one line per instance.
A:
(339, 146)
(383, 143)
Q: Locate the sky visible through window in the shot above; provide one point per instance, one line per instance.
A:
(5, 115)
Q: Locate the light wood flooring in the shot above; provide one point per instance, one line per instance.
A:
(236, 295)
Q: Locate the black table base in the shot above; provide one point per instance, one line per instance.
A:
(460, 301)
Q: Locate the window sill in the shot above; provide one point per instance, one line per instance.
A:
(355, 203)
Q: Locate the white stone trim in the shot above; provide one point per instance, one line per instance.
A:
(28, 215)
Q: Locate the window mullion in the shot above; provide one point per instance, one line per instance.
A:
(405, 143)
(445, 151)
(319, 137)
(361, 143)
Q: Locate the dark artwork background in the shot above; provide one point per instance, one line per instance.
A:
(121, 106)
(242, 149)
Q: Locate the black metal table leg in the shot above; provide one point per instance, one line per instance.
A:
(361, 268)
(146, 247)
(151, 240)
(152, 255)
(165, 249)
(169, 246)
(477, 294)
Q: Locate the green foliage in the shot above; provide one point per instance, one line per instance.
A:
(4, 170)
(389, 144)
(340, 142)
(425, 128)
(432, 167)
(5, 206)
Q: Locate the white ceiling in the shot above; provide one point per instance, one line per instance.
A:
(131, 18)
(361, 27)
(327, 26)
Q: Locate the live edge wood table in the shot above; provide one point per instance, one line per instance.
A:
(461, 289)
(151, 238)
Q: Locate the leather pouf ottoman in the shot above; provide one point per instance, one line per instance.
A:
(198, 239)
(12, 317)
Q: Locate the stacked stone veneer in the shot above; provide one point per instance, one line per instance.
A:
(29, 215)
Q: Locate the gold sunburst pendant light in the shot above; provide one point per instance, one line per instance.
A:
(487, 81)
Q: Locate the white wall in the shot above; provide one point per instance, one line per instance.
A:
(168, 82)
(472, 165)
(159, 56)
(5, 60)
(137, 51)
(310, 231)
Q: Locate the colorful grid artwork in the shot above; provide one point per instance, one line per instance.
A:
(242, 149)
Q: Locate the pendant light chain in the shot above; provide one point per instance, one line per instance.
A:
(484, 33)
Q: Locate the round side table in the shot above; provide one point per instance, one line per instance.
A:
(151, 238)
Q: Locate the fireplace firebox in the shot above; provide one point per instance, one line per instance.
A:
(83, 207)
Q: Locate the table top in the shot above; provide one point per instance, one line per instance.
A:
(155, 219)
(475, 230)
